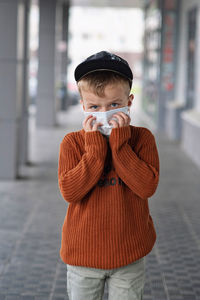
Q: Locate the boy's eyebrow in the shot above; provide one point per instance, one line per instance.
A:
(114, 100)
(91, 103)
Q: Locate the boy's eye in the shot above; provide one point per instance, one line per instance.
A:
(114, 104)
(93, 107)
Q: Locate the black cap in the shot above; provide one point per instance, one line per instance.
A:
(104, 61)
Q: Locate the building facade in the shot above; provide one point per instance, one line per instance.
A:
(172, 70)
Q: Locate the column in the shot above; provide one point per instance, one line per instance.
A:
(46, 98)
(64, 55)
(23, 139)
(62, 17)
(11, 84)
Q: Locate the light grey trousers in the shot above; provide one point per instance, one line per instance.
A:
(125, 283)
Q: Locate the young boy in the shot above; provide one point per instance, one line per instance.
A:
(107, 171)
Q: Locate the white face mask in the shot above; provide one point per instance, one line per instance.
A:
(105, 117)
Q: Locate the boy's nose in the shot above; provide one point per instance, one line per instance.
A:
(103, 109)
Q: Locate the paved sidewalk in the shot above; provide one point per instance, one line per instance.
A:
(32, 213)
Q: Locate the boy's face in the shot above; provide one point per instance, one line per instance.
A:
(115, 97)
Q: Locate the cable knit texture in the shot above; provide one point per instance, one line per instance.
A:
(107, 183)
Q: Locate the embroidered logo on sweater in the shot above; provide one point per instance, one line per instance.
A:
(110, 182)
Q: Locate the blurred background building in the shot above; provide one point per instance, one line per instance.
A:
(42, 41)
(171, 70)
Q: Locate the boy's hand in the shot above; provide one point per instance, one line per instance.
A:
(87, 124)
(123, 120)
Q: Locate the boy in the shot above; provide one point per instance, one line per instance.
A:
(107, 171)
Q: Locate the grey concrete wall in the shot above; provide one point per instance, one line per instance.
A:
(191, 135)
(173, 123)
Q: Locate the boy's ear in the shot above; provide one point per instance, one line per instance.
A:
(130, 99)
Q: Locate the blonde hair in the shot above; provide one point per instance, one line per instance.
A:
(98, 80)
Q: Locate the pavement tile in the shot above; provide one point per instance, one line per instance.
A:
(13, 297)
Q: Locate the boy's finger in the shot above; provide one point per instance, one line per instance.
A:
(120, 119)
(122, 115)
(123, 118)
(89, 119)
(86, 119)
(114, 123)
(96, 125)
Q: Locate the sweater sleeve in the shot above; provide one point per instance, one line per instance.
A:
(78, 174)
(140, 172)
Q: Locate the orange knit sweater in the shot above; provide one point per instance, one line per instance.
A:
(107, 183)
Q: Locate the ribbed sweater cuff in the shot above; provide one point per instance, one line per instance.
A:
(119, 136)
(95, 143)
